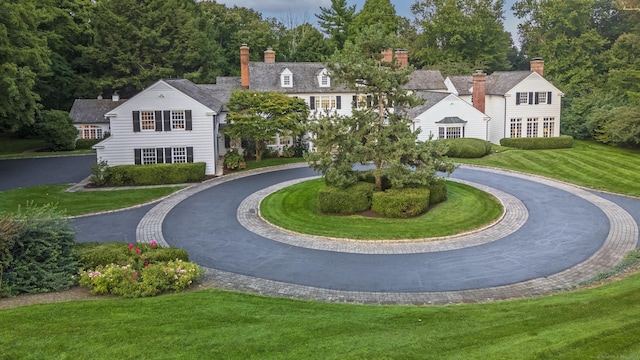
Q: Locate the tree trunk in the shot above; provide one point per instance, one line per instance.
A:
(259, 151)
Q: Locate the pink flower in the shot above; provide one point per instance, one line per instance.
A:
(137, 251)
(130, 246)
(153, 243)
(146, 264)
(134, 279)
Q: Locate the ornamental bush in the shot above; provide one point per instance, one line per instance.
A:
(401, 203)
(40, 257)
(135, 270)
(354, 199)
(467, 148)
(57, 130)
(234, 160)
(561, 142)
(155, 174)
(437, 192)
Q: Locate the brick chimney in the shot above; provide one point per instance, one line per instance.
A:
(269, 56)
(387, 55)
(479, 89)
(537, 65)
(402, 57)
(244, 66)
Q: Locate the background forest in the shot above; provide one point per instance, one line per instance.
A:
(53, 51)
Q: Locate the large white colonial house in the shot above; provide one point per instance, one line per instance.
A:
(179, 121)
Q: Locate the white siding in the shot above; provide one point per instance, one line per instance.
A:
(452, 106)
(119, 149)
(495, 108)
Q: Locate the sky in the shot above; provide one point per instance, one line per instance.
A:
(297, 12)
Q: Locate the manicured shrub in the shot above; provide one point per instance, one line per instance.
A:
(354, 199)
(85, 144)
(401, 203)
(366, 176)
(561, 142)
(99, 173)
(438, 192)
(155, 174)
(42, 258)
(234, 160)
(57, 130)
(10, 228)
(91, 255)
(467, 148)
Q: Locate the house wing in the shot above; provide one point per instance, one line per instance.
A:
(429, 80)
(266, 77)
(92, 111)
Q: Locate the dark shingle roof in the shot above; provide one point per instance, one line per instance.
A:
(197, 92)
(500, 82)
(463, 84)
(425, 80)
(430, 99)
(451, 120)
(266, 77)
(91, 111)
(221, 90)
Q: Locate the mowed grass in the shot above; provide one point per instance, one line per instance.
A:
(296, 208)
(80, 202)
(587, 164)
(595, 323)
(10, 145)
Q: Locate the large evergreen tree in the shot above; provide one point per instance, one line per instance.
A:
(335, 21)
(379, 13)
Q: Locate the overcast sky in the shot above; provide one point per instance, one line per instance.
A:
(301, 11)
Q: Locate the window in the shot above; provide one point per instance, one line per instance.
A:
(548, 125)
(147, 120)
(324, 80)
(542, 98)
(179, 154)
(532, 127)
(450, 132)
(523, 98)
(327, 102)
(516, 128)
(149, 156)
(90, 132)
(286, 78)
(177, 120)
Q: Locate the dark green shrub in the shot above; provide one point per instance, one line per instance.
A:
(10, 228)
(155, 174)
(354, 199)
(98, 173)
(234, 160)
(91, 255)
(401, 203)
(467, 148)
(57, 130)
(366, 176)
(438, 192)
(561, 142)
(42, 258)
(85, 144)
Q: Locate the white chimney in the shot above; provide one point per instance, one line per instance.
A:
(115, 96)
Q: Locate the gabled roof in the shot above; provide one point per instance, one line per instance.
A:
(197, 92)
(266, 77)
(500, 82)
(463, 84)
(430, 99)
(221, 90)
(425, 80)
(451, 120)
(91, 111)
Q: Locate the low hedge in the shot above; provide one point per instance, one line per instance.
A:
(91, 255)
(84, 144)
(467, 148)
(155, 174)
(401, 203)
(354, 199)
(438, 192)
(561, 142)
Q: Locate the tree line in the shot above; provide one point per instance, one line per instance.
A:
(53, 51)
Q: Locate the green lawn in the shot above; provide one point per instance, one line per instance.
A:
(587, 164)
(80, 202)
(295, 208)
(15, 146)
(213, 324)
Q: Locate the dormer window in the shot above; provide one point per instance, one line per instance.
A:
(286, 78)
(323, 78)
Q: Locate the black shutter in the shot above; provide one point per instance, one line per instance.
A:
(167, 120)
(549, 98)
(531, 98)
(190, 154)
(136, 121)
(159, 156)
(188, 120)
(338, 102)
(354, 102)
(537, 100)
(369, 100)
(167, 155)
(158, 116)
(517, 98)
(137, 156)
(312, 102)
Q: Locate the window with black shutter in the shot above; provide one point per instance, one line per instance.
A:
(531, 98)
(136, 121)
(159, 155)
(338, 102)
(188, 120)
(549, 97)
(167, 155)
(312, 102)
(167, 120)
(158, 116)
(190, 154)
(137, 156)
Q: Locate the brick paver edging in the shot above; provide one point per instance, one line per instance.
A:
(514, 215)
(622, 237)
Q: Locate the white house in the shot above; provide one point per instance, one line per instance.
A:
(88, 116)
(172, 121)
(519, 103)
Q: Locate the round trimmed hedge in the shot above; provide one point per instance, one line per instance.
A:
(467, 148)
(401, 203)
